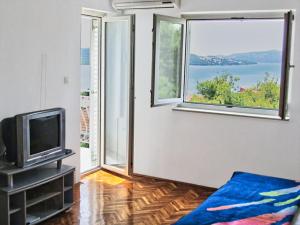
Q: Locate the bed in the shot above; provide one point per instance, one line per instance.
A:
(249, 199)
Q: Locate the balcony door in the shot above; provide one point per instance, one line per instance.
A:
(89, 93)
(117, 94)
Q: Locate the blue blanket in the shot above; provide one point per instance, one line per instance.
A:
(248, 199)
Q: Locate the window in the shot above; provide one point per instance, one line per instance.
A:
(238, 65)
(167, 83)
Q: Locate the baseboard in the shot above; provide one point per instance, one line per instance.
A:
(145, 176)
(175, 181)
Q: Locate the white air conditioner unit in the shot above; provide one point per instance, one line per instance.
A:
(144, 4)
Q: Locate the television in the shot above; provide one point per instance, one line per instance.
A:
(34, 137)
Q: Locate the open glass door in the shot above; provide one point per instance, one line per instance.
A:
(89, 93)
(117, 94)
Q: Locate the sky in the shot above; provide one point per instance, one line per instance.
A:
(225, 37)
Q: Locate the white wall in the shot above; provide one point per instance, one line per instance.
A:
(28, 30)
(197, 148)
(206, 149)
(101, 5)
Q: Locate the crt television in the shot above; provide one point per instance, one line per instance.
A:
(34, 137)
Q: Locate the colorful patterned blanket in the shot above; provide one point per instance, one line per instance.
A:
(248, 199)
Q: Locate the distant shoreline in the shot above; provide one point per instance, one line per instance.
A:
(233, 65)
(237, 59)
(224, 64)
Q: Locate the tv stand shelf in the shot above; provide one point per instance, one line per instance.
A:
(10, 170)
(38, 192)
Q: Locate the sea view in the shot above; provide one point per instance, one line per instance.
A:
(249, 74)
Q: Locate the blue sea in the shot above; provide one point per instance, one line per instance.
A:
(249, 74)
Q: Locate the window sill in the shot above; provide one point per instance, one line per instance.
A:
(228, 113)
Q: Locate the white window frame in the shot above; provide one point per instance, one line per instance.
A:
(155, 101)
(281, 114)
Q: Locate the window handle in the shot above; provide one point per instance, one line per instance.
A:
(292, 66)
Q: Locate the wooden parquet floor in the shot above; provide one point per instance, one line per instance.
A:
(105, 199)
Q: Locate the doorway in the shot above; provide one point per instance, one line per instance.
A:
(89, 93)
(107, 93)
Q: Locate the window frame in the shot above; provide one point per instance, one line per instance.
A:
(155, 101)
(282, 112)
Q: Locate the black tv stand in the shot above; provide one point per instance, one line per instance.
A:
(33, 194)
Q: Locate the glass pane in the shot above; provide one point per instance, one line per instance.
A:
(117, 83)
(89, 98)
(235, 62)
(170, 60)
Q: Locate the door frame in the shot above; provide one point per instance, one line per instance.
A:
(94, 14)
(131, 26)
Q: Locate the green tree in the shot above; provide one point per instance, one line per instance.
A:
(224, 90)
(220, 90)
(265, 94)
(270, 90)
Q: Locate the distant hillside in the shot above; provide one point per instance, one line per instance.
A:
(272, 56)
(216, 60)
(249, 58)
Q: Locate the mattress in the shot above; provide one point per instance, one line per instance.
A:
(250, 199)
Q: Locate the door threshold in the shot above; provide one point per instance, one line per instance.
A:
(116, 173)
(89, 172)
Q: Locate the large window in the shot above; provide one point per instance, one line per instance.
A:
(231, 64)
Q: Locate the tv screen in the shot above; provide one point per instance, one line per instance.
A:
(44, 134)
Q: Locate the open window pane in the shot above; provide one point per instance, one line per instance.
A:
(169, 38)
(169, 60)
(235, 63)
